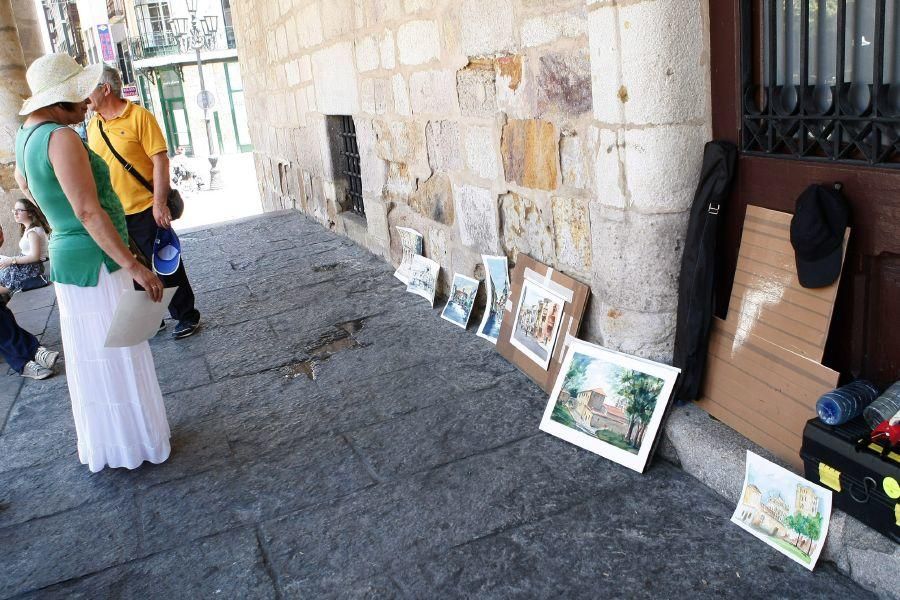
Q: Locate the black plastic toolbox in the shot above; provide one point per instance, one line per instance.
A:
(865, 481)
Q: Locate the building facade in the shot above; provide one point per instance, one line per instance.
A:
(169, 82)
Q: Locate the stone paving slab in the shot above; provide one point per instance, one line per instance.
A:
(334, 438)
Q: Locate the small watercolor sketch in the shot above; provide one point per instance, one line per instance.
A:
(538, 318)
(423, 274)
(786, 511)
(498, 290)
(462, 299)
(609, 403)
(412, 243)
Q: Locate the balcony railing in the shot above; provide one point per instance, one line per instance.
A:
(115, 10)
(153, 44)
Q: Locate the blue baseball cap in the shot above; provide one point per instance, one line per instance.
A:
(166, 251)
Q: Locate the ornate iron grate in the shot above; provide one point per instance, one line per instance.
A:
(821, 80)
(350, 155)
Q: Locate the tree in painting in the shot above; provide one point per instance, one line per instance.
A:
(806, 526)
(640, 392)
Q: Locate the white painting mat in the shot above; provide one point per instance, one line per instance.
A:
(637, 462)
(459, 281)
(489, 286)
(411, 242)
(769, 489)
(429, 271)
(543, 362)
(137, 318)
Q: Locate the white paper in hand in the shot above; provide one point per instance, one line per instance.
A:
(137, 318)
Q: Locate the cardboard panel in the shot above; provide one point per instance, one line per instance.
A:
(767, 299)
(570, 322)
(762, 390)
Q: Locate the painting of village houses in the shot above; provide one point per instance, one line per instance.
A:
(461, 300)
(784, 510)
(497, 282)
(537, 322)
(609, 403)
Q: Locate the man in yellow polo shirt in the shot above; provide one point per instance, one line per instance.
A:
(137, 138)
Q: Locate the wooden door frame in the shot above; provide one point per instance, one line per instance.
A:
(775, 182)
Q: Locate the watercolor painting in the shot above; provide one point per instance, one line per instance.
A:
(498, 289)
(538, 318)
(609, 403)
(412, 243)
(423, 274)
(461, 300)
(786, 511)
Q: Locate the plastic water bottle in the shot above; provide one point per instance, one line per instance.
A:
(884, 407)
(846, 402)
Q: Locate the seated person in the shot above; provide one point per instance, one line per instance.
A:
(14, 270)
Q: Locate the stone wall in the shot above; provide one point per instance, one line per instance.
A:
(569, 130)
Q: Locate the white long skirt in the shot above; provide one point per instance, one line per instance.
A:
(119, 413)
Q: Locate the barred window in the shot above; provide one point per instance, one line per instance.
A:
(821, 80)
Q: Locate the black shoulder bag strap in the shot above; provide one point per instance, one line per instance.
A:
(128, 166)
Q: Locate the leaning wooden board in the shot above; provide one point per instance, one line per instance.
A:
(767, 297)
(573, 312)
(763, 374)
(761, 390)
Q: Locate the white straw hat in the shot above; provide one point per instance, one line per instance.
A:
(58, 78)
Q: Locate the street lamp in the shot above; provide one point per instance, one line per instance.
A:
(199, 33)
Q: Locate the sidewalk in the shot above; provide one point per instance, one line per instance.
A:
(333, 437)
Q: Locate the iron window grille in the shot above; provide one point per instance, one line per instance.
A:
(820, 80)
(350, 163)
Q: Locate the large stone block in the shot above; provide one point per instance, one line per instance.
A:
(433, 92)
(434, 200)
(525, 227)
(372, 168)
(664, 69)
(386, 49)
(442, 138)
(572, 234)
(368, 56)
(487, 26)
(663, 165)
(477, 89)
(309, 25)
(476, 211)
(609, 169)
(481, 152)
(545, 29)
(530, 152)
(401, 95)
(400, 141)
(418, 42)
(337, 18)
(637, 258)
(648, 335)
(564, 83)
(572, 162)
(335, 76)
(400, 184)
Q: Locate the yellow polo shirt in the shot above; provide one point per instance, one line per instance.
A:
(136, 135)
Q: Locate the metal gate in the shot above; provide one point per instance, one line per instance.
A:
(350, 154)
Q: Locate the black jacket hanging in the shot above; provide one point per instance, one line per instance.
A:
(696, 283)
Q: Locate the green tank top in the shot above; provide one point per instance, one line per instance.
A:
(75, 257)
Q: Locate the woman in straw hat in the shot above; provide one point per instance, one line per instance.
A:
(119, 414)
